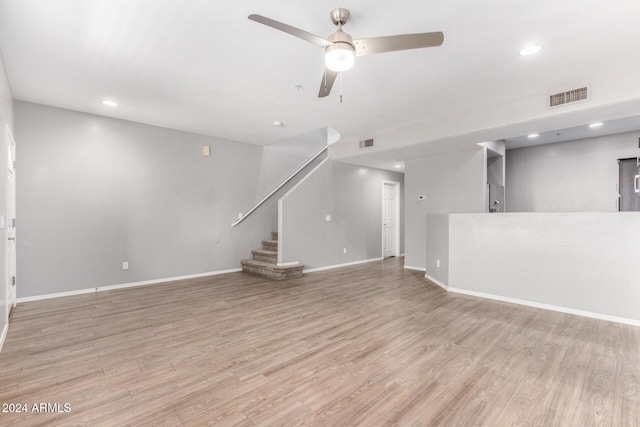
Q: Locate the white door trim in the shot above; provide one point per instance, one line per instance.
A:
(10, 259)
(397, 215)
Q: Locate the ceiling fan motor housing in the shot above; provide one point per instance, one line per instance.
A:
(341, 40)
(339, 16)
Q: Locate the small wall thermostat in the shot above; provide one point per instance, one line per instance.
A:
(422, 197)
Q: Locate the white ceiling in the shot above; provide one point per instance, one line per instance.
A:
(202, 66)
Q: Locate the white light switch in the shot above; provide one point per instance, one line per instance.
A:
(206, 151)
(328, 218)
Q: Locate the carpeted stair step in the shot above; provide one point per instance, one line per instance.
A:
(270, 245)
(271, 271)
(266, 256)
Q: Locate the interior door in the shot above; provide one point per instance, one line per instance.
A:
(389, 220)
(629, 186)
(11, 223)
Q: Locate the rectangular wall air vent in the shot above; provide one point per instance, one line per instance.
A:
(574, 95)
(367, 143)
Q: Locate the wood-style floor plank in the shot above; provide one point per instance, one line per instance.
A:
(367, 345)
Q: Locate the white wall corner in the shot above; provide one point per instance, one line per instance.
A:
(436, 281)
(280, 230)
(288, 264)
(3, 336)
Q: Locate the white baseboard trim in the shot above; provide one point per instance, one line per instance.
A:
(409, 267)
(566, 310)
(125, 285)
(56, 295)
(288, 264)
(436, 281)
(3, 335)
(346, 264)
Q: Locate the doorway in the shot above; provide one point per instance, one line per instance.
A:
(10, 222)
(629, 185)
(390, 219)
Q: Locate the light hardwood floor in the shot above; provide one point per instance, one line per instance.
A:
(365, 345)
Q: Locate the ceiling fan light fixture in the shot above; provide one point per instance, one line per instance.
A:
(340, 57)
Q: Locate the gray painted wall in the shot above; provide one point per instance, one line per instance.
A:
(438, 248)
(281, 159)
(6, 119)
(94, 192)
(574, 176)
(573, 260)
(495, 170)
(352, 195)
(453, 182)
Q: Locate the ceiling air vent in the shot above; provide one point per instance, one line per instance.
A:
(574, 95)
(367, 143)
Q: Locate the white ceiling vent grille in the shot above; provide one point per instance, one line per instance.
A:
(367, 143)
(574, 95)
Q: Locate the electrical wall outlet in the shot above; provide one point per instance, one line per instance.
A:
(125, 265)
(344, 250)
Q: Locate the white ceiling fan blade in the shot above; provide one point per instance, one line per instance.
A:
(399, 42)
(328, 78)
(304, 35)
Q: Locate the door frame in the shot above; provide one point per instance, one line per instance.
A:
(397, 212)
(618, 184)
(10, 257)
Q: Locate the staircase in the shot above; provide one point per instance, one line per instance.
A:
(265, 262)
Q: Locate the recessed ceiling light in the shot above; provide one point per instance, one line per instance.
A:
(277, 123)
(397, 166)
(109, 103)
(530, 50)
(533, 135)
(595, 125)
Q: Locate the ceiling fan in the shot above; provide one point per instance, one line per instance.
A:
(341, 49)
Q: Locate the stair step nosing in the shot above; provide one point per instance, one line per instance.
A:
(264, 252)
(263, 264)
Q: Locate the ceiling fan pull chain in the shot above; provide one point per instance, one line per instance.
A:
(340, 88)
